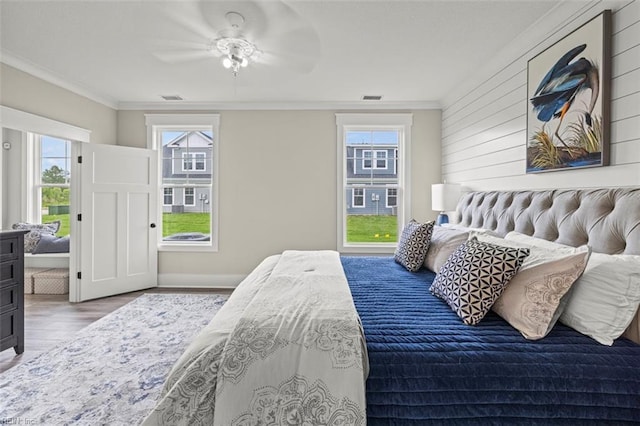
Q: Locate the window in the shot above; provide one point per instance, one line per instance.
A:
(367, 143)
(358, 197)
(392, 197)
(367, 159)
(380, 159)
(50, 180)
(189, 196)
(194, 161)
(168, 197)
(188, 178)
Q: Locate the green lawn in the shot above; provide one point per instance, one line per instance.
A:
(372, 229)
(64, 222)
(174, 223)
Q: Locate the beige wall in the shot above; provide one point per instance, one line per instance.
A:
(278, 184)
(24, 92)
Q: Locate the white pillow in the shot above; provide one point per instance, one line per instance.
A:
(444, 241)
(537, 295)
(605, 298)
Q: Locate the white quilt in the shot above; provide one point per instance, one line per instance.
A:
(287, 348)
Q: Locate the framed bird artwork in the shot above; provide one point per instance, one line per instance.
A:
(568, 100)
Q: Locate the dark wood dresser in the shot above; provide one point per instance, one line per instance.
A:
(12, 290)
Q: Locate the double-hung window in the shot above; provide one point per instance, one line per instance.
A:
(372, 206)
(187, 146)
(49, 180)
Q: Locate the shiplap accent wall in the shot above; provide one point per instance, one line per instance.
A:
(484, 122)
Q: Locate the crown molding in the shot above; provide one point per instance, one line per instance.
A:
(293, 105)
(50, 77)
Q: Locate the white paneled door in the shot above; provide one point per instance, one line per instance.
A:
(118, 201)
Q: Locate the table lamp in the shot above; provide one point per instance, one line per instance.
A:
(444, 198)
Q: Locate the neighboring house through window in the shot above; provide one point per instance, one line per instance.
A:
(187, 146)
(373, 172)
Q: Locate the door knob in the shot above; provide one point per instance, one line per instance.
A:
(153, 225)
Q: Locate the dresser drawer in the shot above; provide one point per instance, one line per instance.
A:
(11, 273)
(8, 329)
(10, 249)
(8, 299)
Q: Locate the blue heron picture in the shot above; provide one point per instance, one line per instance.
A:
(566, 120)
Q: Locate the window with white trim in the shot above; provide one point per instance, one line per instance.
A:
(187, 146)
(357, 198)
(392, 197)
(189, 196)
(168, 197)
(49, 180)
(194, 161)
(371, 141)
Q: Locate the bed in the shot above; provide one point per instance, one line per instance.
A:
(422, 364)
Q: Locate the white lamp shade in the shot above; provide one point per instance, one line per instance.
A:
(445, 196)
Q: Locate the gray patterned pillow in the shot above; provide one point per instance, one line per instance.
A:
(474, 276)
(32, 239)
(414, 244)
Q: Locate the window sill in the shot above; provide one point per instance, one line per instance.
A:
(187, 248)
(47, 255)
(386, 249)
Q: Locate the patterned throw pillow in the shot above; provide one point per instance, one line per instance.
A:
(413, 245)
(32, 239)
(475, 275)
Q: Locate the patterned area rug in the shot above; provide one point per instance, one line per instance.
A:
(113, 371)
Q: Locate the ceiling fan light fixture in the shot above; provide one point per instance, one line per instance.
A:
(237, 52)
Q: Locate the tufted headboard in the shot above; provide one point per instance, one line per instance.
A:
(606, 219)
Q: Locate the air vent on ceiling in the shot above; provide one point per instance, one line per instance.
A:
(172, 97)
(371, 97)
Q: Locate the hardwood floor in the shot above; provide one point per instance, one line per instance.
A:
(51, 319)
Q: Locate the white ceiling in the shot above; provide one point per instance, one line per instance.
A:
(314, 51)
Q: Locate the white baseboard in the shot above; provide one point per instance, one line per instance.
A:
(200, 280)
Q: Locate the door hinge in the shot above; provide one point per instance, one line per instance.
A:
(79, 275)
(80, 217)
(79, 159)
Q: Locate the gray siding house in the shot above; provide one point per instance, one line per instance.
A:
(372, 177)
(186, 164)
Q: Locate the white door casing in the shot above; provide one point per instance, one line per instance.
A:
(118, 202)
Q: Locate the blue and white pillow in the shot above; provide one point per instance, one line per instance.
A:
(475, 275)
(32, 239)
(414, 244)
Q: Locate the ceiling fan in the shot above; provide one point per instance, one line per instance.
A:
(241, 33)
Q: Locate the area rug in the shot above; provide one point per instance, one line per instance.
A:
(112, 372)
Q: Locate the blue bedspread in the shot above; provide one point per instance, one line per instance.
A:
(427, 367)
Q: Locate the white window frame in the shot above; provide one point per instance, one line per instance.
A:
(376, 158)
(365, 158)
(387, 197)
(33, 183)
(402, 122)
(195, 158)
(193, 195)
(156, 124)
(164, 195)
(353, 198)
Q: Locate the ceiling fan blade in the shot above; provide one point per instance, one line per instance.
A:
(178, 56)
(300, 50)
